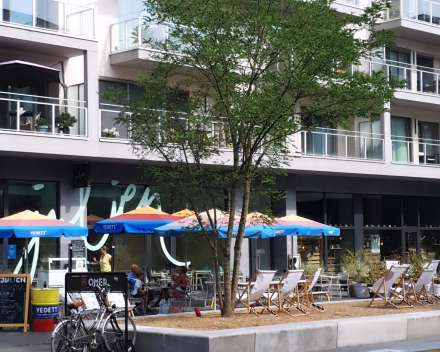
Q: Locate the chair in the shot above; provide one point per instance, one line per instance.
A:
(252, 292)
(132, 302)
(344, 282)
(383, 287)
(420, 290)
(286, 293)
(390, 263)
(90, 302)
(334, 286)
(118, 300)
(306, 291)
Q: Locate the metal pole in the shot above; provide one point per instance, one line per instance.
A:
(186, 252)
(113, 256)
(23, 262)
(70, 258)
(126, 315)
(27, 256)
(215, 285)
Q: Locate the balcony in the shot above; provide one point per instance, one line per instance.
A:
(407, 150)
(355, 7)
(75, 20)
(343, 144)
(110, 130)
(420, 80)
(414, 20)
(40, 116)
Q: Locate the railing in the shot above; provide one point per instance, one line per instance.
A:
(108, 126)
(342, 144)
(418, 79)
(58, 16)
(135, 33)
(356, 3)
(421, 10)
(41, 115)
(403, 150)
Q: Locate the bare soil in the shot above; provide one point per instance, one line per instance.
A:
(242, 319)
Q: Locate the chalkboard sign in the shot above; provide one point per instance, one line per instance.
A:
(14, 300)
(79, 249)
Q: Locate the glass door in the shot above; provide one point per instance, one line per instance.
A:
(401, 139)
(428, 143)
(264, 254)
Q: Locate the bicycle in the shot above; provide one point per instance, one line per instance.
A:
(73, 334)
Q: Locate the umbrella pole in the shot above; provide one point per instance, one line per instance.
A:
(23, 261)
(113, 257)
(186, 252)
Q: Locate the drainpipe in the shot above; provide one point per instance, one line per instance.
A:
(62, 80)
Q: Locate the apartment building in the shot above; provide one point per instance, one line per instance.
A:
(377, 181)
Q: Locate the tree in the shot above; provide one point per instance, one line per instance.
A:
(258, 72)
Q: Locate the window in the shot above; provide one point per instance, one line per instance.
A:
(429, 212)
(428, 143)
(410, 211)
(339, 209)
(310, 205)
(382, 211)
(401, 139)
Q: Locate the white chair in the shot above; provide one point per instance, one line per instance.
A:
(383, 288)
(250, 294)
(306, 293)
(286, 294)
(420, 290)
(390, 263)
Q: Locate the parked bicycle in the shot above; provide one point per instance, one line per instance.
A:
(75, 334)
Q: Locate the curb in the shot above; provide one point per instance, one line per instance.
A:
(322, 335)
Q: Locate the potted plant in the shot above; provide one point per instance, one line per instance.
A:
(41, 125)
(359, 270)
(110, 133)
(64, 121)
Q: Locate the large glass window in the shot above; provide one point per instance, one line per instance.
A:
(264, 254)
(129, 9)
(339, 209)
(429, 148)
(19, 12)
(310, 205)
(430, 244)
(382, 211)
(429, 211)
(410, 211)
(38, 197)
(337, 247)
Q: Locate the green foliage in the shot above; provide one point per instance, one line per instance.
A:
(258, 72)
(416, 261)
(65, 119)
(41, 122)
(356, 266)
(310, 268)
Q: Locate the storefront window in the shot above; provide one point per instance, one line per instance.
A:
(429, 212)
(430, 244)
(410, 211)
(382, 211)
(199, 252)
(38, 197)
(264, 254)
(159, 261)
(310, 249)
(310, 205)
(339, 209)
(337, 247)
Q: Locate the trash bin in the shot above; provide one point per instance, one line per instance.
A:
(45, 307)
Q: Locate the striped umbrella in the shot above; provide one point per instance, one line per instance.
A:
(138, 221)
(27, 224)
(314, 228)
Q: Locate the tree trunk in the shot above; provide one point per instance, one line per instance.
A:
(240, 236)
(228, 303)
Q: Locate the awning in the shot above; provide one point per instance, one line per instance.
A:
(22, 74)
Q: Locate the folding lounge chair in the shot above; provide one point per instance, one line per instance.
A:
(383, 287)
(306, 291)
(433, 264)
(250, 294)
(90, 302)
(419, 291)
(118, 300)
(286, 293)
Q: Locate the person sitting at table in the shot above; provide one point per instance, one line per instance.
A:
(131, 277)
(177, 290)
(139, 292)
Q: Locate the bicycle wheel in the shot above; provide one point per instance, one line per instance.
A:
(114, 331)
(67, 339)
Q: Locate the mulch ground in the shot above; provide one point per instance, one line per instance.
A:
(242, 319)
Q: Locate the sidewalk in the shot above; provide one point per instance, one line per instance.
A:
(18, 341)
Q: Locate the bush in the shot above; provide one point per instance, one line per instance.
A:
(356, 266)
(41, 122)
(65, 120)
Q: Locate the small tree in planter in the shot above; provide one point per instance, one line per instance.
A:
(359, 270)
(41, 125)
(64, 121)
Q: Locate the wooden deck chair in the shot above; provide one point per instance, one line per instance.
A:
(251, 294)
(383, 288)
(90, 301)
(420, 288)
(80, 310)
(306, 291)
(433, 264)
(286, 295)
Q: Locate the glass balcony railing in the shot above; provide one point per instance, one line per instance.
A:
(42, 115)
(420, 10)
(135, 33)
(342, 144)
(356, 3)
(403, 149)
(109, 128)
(73, 19)
(417, 79)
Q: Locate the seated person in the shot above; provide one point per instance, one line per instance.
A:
(177, 290)
(139, 292)
(131, 277)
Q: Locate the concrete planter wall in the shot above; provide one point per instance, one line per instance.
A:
(304, 337)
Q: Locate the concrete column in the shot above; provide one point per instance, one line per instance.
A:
(291, 210)
(91, 88)
(358, 222)
(386, 130)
